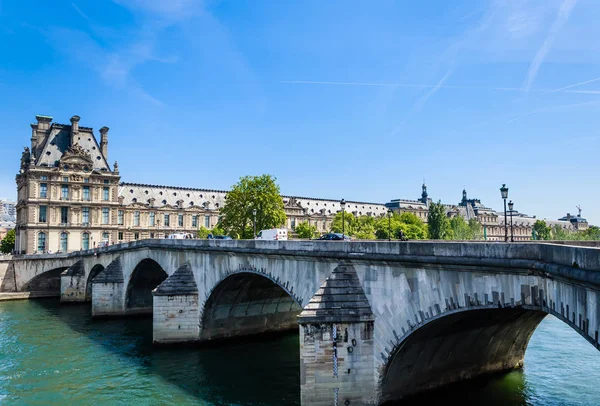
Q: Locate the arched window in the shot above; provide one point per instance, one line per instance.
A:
(64, 239)
(41, 242)
(85, 241)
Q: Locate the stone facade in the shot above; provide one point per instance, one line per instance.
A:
(71, 199)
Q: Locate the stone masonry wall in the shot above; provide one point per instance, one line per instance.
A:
(107, 299)
(336, 364)
(175, 319)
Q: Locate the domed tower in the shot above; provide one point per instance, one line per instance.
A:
(464, 198)
(424, 193)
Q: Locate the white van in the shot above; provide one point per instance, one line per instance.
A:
(180, 236)
(280, 234)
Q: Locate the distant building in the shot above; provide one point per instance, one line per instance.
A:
(491, 220)
(578, 222)
(8, 210)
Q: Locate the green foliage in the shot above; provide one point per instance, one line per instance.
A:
(408, 223)
(476, 229)
(8, 242)
(463, 230)
(560, 234)
(217, 230)
(541, 230)
(252, 192)
(203, 232)
(365, 228)
(304, 230)
(438, 223)
(592, 233)
(350, 223)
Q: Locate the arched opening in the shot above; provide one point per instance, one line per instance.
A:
(88, 286)
(48, 281)
(146, 276)
(247, 303)
(459, 346)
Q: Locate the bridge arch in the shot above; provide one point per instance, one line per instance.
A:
(473, 338)
(96, 269)
(146, 276)
(248, 302)
(48, 281)
(458, 345)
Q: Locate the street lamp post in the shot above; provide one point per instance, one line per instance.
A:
(389, 214)
(343, 205)
(510, 210)
(504, 193)
(254, 222)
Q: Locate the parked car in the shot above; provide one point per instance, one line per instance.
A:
(280, 234)
(334, 237)
(218, 237)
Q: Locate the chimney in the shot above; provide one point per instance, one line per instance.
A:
(104, 142)
(74, 128)
(34, 139)
(43, 124)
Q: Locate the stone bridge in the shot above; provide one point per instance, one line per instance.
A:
(378, 320)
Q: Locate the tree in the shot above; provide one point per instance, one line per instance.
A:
(463, 230)
(350, 223)
(560, 234)
(408, 223)
(217, 230)
(259, 193)
(8, 242)
(304, 230)
(438, 223)
(365, 228)
(460, 229)
(476, 229)
(592, 233)
(541, 230)
(203, 232)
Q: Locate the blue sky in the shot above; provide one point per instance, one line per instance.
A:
(353, 99)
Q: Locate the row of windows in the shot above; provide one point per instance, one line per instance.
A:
(64, 215)
(166, 219)
(64, 241)
(65, 179)
(64, 192)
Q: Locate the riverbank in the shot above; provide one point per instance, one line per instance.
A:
(25, 295)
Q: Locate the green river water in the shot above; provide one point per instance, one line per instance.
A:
(57, 355)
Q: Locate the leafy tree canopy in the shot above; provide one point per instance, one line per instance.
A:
(408, 223)
(304, 230)
(8, 242)
(438, 222)
(541, 230)
(252, 192)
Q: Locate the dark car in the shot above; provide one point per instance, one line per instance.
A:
(219, 237)
(334, 237)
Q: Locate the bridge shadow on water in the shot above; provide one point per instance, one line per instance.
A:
(256, 370)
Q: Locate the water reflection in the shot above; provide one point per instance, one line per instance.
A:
(53, 354)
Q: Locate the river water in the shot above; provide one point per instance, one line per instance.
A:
(52, 354)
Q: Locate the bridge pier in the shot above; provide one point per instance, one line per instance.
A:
(175, 308)
(108, 291)
(72, 284)
(336, 343)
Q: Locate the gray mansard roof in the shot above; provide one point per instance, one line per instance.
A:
(58, 140)
(214, 199)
